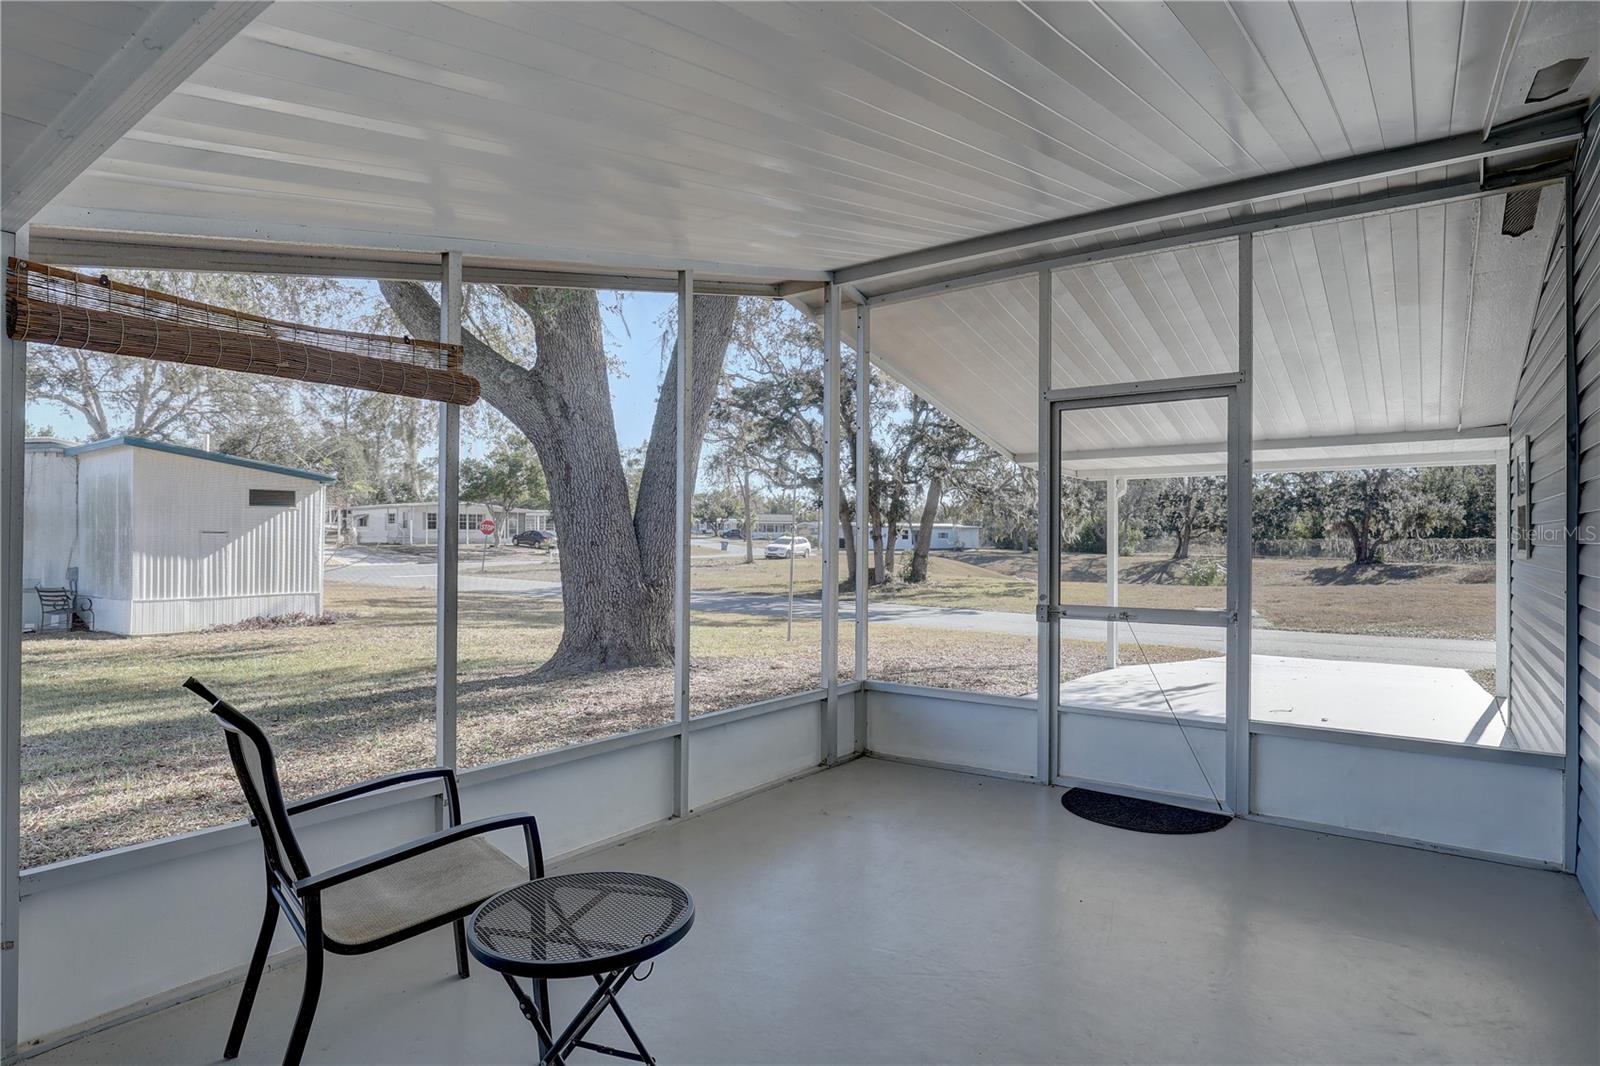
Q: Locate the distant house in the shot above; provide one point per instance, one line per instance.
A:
(418, 522)
(947, 536)
(768, 526)
(168, 539)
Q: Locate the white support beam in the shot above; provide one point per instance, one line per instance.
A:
(13, 420)
(169, 46)
(1475, 439)
(830, 523)
(683, 390)
(140, 251)
(1502, 575)
(1113, 551)
(446, 600)
(863, 473)
(1540, 132)
(1049, 628)
(1240, 492)
(325, 239)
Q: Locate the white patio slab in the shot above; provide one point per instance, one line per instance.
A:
(883, 913)
(1421, 702)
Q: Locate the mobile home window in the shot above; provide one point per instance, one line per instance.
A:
(272, 497)
(361, 521)
(433, 519)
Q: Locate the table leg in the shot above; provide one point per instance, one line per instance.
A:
(585, 1019)
(532, 1011)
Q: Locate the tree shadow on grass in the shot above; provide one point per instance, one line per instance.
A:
(1372, 573)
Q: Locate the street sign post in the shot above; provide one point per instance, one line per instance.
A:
(486, 527)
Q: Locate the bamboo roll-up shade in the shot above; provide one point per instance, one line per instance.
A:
(49, 305)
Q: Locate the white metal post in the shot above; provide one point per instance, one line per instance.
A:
(1113, 551)
(13, 420)
(830, 523)
(1502, 574)
(1049, 537)
(863, 473)
(683, 390)
(1240, 491)
(446, 605)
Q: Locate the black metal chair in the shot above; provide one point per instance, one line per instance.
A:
(371, 903)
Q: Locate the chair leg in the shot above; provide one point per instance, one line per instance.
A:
(252, 979)
(308, 1000)
(461, 949)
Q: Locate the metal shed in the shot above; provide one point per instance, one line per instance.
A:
(169, 539)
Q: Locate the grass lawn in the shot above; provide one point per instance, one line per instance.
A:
(114, 752)
(1317, 595)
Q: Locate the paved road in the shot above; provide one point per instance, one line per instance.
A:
(378, 569)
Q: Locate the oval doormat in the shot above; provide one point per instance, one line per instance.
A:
(1141, 816)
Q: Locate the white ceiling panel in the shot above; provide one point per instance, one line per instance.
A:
(774, 137)
(1400, 328)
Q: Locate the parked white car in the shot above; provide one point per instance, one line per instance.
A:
(783, 547)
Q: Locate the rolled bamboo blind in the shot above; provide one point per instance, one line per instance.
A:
(49, 305)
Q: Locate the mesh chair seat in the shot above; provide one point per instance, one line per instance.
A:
(435, 883)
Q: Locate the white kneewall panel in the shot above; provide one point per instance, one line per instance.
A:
(851, 731)
(581, 802)
(966, 730)
(746, 753)
(1475, 804)
(184, 911)
(99, 944)
(1145, 754)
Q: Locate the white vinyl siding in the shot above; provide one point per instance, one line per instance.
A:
(1586, 206)
(1537, 701)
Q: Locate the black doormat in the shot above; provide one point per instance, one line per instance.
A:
(1141, 816)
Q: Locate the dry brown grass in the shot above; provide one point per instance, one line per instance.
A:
(114, 752)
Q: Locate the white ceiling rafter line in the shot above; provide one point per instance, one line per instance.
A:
(1503, 67)
(343, 254)
(1378, 460)
(1472, 292)
(1486, 435)
(1547, 130)
(169, 46)
(1288, 218)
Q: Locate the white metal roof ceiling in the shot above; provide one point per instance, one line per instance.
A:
(1394, 327)
(780, 137)
(785, 140)
(52, 51)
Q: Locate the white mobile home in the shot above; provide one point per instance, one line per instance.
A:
(418, 522)
(947, 536)
(168, 539)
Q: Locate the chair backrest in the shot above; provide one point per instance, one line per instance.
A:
(257, 770)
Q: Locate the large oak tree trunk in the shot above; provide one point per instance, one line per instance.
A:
(617, 561)
(930, 510)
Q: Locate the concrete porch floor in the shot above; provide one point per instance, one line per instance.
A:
(887, 913)
(1422, 702)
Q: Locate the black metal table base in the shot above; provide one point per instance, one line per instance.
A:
(553, 1050)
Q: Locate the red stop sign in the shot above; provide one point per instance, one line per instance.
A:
(486, 527)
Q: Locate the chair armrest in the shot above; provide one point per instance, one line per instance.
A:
(377, 784)
(340, 874)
